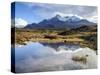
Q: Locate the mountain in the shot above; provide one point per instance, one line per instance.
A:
(59, 22)
(30, 26)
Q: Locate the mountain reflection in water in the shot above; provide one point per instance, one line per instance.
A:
(38, 57)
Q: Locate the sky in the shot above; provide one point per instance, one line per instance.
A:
(27, 12)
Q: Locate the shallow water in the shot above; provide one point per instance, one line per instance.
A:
(37, 57)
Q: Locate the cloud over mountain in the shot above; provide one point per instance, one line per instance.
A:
(20, 23)
(45, 11)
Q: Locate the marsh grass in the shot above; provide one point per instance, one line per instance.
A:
(81, 59)
(84, 39)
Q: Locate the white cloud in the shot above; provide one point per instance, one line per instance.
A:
(93, 19)
(45, 10)
(64, 15)
(20, 23)
(59, 13)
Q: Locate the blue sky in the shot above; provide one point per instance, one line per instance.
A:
(35, 12)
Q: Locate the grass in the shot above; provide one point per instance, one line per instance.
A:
(81, 59)
(84, 39)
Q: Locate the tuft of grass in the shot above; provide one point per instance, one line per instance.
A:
(50, 36)
(81, 59)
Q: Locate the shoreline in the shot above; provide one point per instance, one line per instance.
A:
(81, 44)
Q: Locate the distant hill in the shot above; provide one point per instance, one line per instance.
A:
(86, 28)
(92, 28)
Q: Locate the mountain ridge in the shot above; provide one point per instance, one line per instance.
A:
(58, 22)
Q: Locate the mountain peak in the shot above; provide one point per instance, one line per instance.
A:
(57, 15)
(74, 18)
(69, 18)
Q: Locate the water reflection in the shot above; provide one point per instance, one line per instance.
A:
(35, 57)
(34, 50)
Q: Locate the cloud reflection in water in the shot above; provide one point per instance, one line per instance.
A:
(36, 57)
